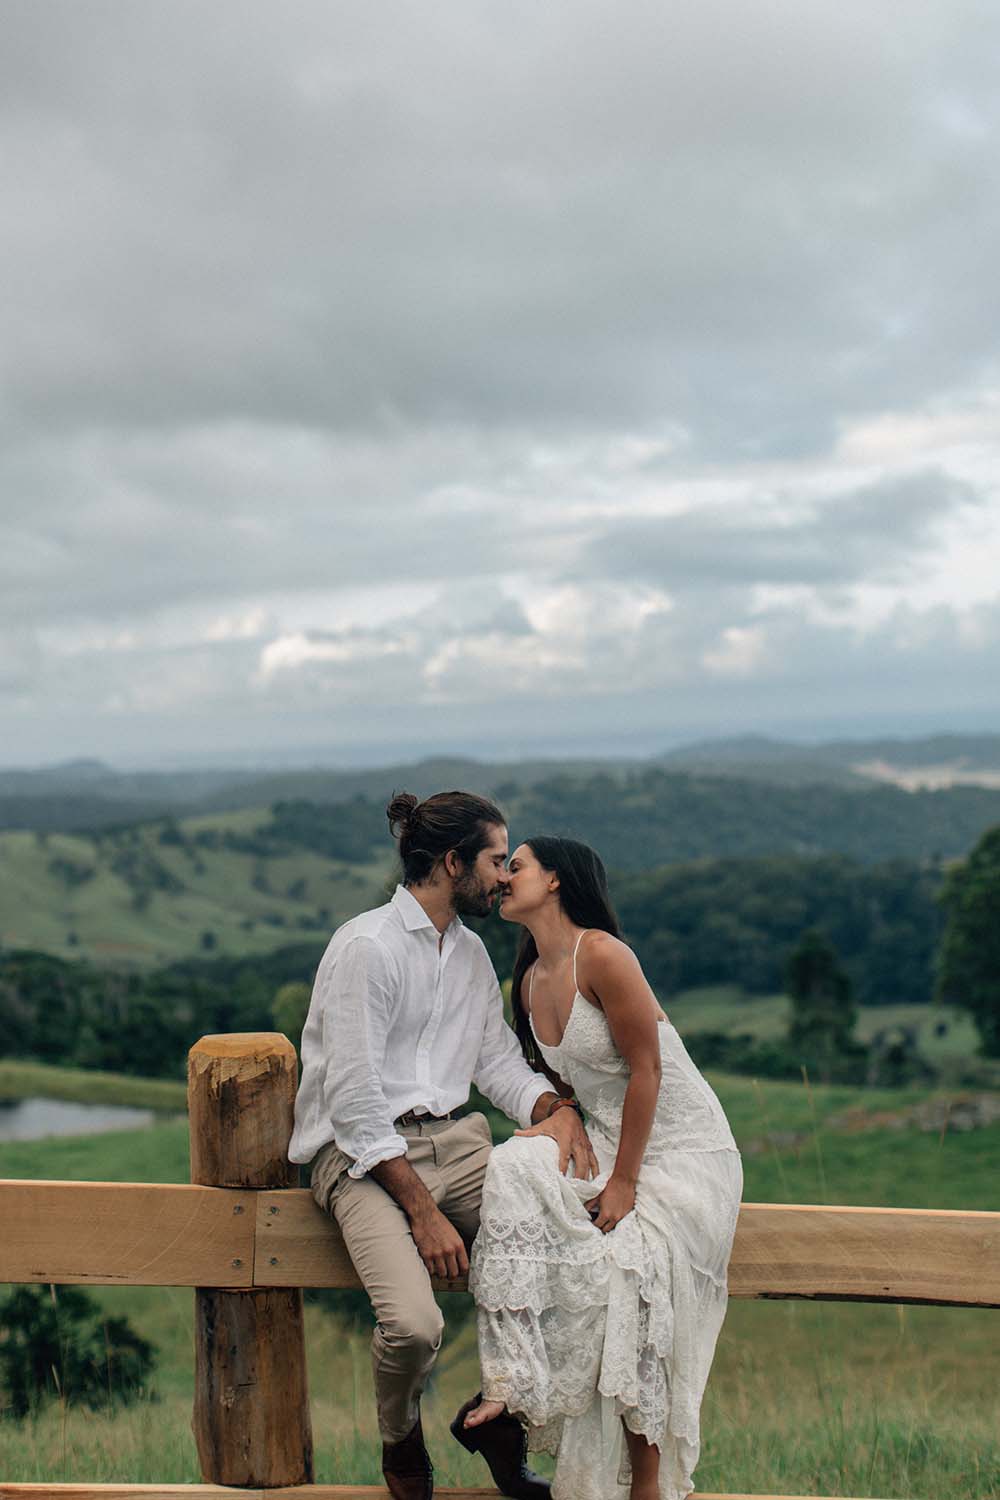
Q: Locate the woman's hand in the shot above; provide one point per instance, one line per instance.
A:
(611, 1206)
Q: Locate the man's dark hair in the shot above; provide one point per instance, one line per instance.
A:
(448, 820)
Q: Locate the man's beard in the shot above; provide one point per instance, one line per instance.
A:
(473, 898)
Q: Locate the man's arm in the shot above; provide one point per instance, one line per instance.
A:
(355, 1002)
(440, 1246)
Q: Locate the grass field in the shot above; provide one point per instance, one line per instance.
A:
(71, 895)
(832, 1399)
(944, 1035)
(31, 1080)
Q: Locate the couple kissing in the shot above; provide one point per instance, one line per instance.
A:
(596, 1239)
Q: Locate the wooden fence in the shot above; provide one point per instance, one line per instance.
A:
(248, 1240)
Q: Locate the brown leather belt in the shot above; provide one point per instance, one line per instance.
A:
(412, 1118)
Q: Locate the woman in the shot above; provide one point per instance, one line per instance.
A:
(600, 1302)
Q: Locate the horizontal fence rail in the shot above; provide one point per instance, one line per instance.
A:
(289, 1492)
(145, 1234)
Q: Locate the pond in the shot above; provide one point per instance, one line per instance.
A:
(34, 1119)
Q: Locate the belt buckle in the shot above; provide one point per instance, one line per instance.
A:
(412, 1118)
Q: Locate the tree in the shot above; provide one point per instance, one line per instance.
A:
(55, 1342)
(823, 1009)
(289, 1008)
(968, 964)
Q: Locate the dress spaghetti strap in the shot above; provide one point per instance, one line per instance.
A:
(576, 950)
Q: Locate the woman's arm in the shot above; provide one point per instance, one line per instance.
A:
(610, 973)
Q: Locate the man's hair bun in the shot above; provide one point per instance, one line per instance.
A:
(427, 830)
(400, 812)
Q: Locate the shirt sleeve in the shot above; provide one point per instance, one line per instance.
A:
(502, 1073)
(355, 1001)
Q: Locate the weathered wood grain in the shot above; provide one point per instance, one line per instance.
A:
(943, 1256)
(864, 1254)
(120, 1233)
(251, 1402)
(170, 1235)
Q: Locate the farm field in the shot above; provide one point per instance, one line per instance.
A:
(805, 1399)
(128, 900)
(943, 1033)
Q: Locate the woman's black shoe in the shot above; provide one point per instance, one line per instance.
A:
(504, 1445)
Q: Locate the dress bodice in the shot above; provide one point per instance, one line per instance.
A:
(688, 1115)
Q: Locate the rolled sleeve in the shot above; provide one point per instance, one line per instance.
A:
(355, 1008)
(502, 1073)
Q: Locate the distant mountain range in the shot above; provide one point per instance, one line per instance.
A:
(935, 761)
(83, 794)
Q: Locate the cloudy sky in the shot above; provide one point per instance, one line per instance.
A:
(569, 376)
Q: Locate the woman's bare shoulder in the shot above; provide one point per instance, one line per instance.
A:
(604, 956)
(595, 941)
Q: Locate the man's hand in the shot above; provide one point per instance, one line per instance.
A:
(566, 1128)
(439, 1244)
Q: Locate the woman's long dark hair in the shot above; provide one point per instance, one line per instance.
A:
(583, 896)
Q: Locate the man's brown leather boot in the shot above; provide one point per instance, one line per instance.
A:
(504, 1445)
(409, 1473)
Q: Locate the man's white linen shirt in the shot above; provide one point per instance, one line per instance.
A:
(399, 1022)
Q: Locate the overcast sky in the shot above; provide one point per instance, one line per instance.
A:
(570, 376)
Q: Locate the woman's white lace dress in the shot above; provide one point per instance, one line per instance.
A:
(578, 1329)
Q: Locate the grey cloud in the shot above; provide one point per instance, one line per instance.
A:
(320, 297)
(666, 678)
(867, 534)
(346, 218)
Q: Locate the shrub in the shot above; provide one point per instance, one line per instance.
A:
(55, 1342)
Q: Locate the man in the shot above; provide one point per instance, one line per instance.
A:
(406, 1013)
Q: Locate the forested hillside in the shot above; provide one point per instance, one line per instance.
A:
(712, 922)
(736, 921)
(655, 817)
(142, 895)
(87, 794)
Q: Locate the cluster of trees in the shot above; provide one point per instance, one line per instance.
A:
(968, 968)
(896, 932)
(735, 921)
(820, 1033)
(141, 1024)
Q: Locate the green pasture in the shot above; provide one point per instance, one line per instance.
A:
(833, 1399)
(943, 1033)
(60, 894)
(33, 1080)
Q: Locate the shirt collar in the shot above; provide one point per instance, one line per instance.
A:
(412, 913)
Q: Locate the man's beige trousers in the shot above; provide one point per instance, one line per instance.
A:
(450, 1157)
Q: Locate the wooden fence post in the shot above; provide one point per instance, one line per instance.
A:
(251, 1403)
